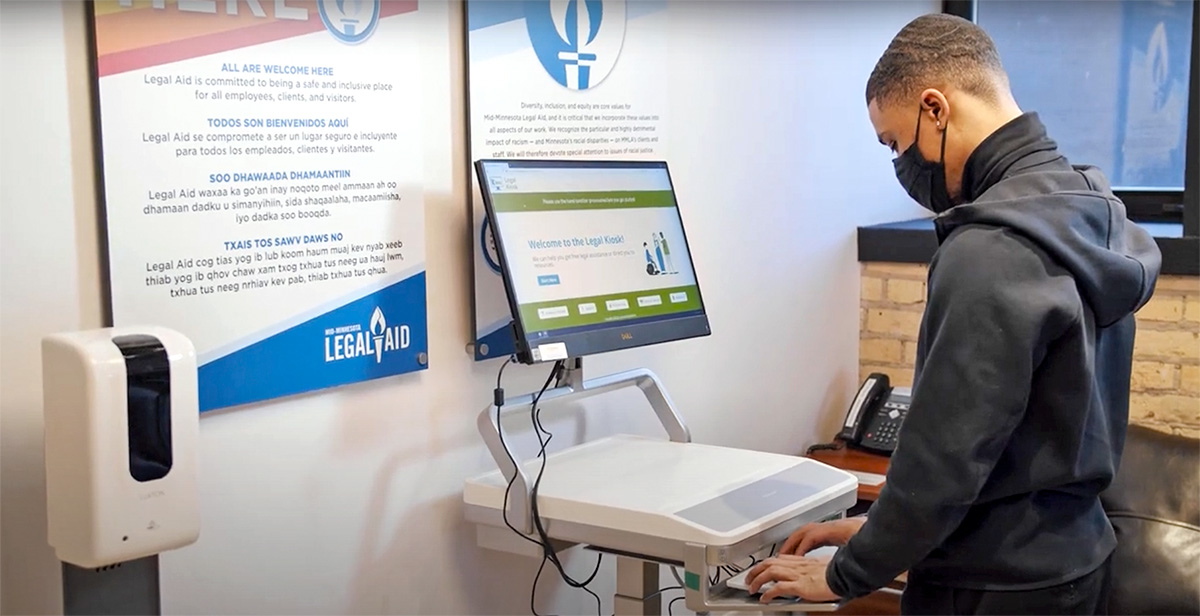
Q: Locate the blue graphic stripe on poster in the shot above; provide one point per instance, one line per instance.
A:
(499, 343)
(308, 314)
(376, 336)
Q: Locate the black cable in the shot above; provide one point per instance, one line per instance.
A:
(730, 570)
(498, 401)
(498, 396)
(547, 546)
(734, 569)
(669, 589)
(548, 553)
(834, 446)
(671, 605)
(500, 375)
(533, 588)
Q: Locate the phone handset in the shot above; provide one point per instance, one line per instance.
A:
(875, 386)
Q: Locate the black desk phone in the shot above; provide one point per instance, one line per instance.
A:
(874, 419)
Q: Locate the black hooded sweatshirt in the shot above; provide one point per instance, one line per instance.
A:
(1021, 393)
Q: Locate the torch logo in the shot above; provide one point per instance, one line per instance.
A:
(378, 329)
(350, 21)
(577, 41)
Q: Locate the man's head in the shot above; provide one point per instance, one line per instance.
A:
(943, 72)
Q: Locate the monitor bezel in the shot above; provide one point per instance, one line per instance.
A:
(637, 333)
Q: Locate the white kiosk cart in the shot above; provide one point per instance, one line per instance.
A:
(647, 501)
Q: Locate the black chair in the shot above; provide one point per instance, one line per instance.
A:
(1154, 505)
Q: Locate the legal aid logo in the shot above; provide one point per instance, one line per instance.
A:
(378, 339)
(577, 41)
(349, 21)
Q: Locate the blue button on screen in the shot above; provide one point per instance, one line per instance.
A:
(547, 280)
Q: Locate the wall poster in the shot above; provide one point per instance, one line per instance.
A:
(262, 185)
(557, 79)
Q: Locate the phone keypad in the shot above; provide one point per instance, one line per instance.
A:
(890, 420)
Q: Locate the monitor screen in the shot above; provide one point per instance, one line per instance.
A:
(593, 255)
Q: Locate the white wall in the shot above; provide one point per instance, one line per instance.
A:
(49, 269)
(348, 501)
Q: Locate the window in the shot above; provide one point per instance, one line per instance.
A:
(1111, 82)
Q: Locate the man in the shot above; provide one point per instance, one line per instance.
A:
(1021, 391)
(667, 254)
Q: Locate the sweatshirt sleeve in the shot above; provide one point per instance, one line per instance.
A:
(992, 309)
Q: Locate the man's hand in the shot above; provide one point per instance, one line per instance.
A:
(813, 536)
(794, 576)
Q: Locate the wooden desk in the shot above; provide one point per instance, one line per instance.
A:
(850, 459)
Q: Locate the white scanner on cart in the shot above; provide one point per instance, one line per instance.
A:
(654, 501)
(652, 496)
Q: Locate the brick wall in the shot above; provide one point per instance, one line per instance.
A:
(1165, 392)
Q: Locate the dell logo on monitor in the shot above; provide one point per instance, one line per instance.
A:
(626, 336)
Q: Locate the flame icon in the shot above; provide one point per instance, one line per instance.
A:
(577, 23)
(1158, 61)
(378, 327)
(378, 323)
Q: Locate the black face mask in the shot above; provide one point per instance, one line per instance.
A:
(925, 181)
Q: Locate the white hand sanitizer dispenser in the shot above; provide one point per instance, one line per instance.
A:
(122, 425)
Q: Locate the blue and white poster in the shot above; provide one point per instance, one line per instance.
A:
(262, 183)
(558, 79)
(1156, 60)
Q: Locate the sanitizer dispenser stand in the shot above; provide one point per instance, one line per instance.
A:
(121, 431)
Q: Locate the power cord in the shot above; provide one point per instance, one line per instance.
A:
(730, 570)
(679, 579)
(498, 401)
(548, 553)
(672, 602)
(711, 580)
(547, 547)
(834, 446)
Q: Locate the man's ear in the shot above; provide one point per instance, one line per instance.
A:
(936, 106)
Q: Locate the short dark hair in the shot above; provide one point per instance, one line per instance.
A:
(936, 50)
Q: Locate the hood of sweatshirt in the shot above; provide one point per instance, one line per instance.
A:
(1018, 179)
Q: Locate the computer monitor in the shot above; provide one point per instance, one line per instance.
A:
(593, 255)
